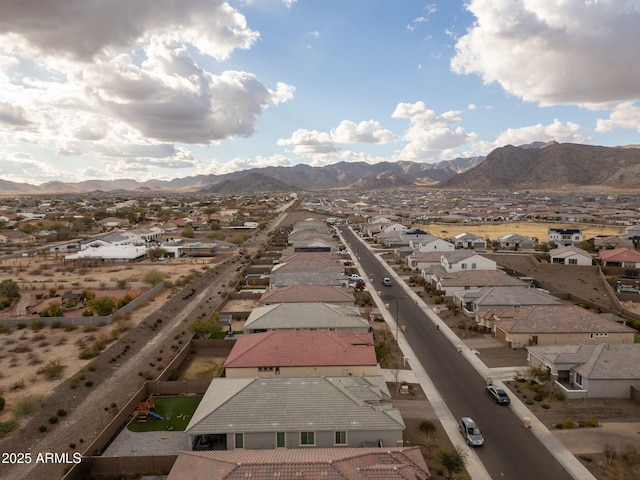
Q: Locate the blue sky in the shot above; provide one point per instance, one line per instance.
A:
(160, 89)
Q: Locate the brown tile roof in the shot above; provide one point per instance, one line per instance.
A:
(301, 293)
(312, 463)
(555, 319)
(302, 348)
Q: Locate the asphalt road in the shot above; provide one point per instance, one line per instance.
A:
(510, 451)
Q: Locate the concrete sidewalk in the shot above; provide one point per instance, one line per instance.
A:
(474, 466)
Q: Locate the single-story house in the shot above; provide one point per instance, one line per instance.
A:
(469, 240)
(498, 297)
(422, 260)
(611, 242)
(593, 371)
(269, 413)
(291, 353)
(303, 463)
(306, 316)
(513, 241)
(570, 255)
(557, 325)
(113, 253)
(453, 282)
(304, 294)
(620, 257)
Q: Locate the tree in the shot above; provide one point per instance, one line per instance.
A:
(102, 305)
(453, 459)
(155, 253)
(153, 277)
(187, 232)
(9, 289)
(206, 327)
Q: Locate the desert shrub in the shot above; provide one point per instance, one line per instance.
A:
(74, 383)
(427, 426)
(56, 324)
(591, 422)
(538, 397)
(545, 406)
(61, 412)
(88, 383)
(42, 428)
(28, 405)
(560, 396)
(568, 424)
(4, 328)
(7, 427)
(438, 300)
(70, 328)
(91, 367)
(3, 402)
(53, 420)
(53, 369)
(529, 402)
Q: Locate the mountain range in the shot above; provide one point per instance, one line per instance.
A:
(538, 165)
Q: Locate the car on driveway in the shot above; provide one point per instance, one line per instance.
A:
(470, 432)
(498, 395)
(355, 277)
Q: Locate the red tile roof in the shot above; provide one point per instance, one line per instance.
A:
(620, 255)
(302, 348)
(312, 463)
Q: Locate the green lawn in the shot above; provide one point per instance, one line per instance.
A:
(175, 411)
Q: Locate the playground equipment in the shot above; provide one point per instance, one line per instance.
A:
(146, 408)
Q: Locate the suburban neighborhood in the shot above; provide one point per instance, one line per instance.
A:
(272, 346)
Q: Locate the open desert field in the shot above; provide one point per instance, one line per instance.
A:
(527, 229)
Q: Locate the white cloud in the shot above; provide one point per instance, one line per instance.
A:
(312, 142)
(430, 135)
(133, 103)
(22, 168)
(569, 52)
(471, 106)
(364, 132)
(561, 132)
(309, 142)
(624, 115)
(86, 29)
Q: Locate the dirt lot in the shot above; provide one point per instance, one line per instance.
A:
(527, 229)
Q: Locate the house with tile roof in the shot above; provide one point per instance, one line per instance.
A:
(308, 353)
(269, 413)
(611, 242)
(306, 316)
(432, 244)
(591, 371)
(514, 241)
(469, 240)
(570, 255)
(620, 257)
(308, 268)
(460, 260)
(304, 463)
(556, 325)
(464, 280)
(303, 294)
(476, 302)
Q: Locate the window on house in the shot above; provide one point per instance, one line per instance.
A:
(578, 379)
(341, 438)
(307, 438)
(463, 266)
(239, 440)
(280, 440)
(277, 370)
(598, 335)
(473, 266)
(573, 261)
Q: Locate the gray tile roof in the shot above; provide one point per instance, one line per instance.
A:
(295, 404)
(618, 361)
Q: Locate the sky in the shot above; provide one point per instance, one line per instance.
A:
(159, 89)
